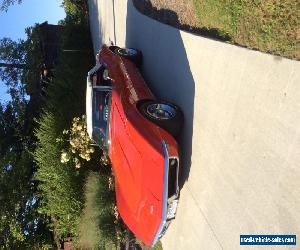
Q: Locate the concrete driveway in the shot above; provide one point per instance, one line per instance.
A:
(241, 139)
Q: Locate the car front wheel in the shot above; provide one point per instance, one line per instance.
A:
(133, 55)
(164, 114)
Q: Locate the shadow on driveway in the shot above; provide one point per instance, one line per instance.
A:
(166, 70)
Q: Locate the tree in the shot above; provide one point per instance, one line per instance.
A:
(19, 59)
(24, 189)
(12, 61)
(21, 226)
(6, 3)
(11, 65)
(20, 67)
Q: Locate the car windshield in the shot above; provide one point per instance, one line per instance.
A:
(101, 111)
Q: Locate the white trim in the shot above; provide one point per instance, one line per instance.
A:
(165, 195)
(94, 69)
(89, 107)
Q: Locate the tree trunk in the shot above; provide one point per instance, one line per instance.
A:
(13, 65)
(54, 234)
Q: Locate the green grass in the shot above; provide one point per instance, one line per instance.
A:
(267, 25)
(97, 229)
(158, 246)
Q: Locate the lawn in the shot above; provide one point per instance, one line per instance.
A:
(271, 26)
(267, 25)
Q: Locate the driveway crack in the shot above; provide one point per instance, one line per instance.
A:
(201, 211)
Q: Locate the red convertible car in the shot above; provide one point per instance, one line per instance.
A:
(137, 130)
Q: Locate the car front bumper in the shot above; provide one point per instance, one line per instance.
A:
(170, 192)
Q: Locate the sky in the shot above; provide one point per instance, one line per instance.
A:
(20, 16)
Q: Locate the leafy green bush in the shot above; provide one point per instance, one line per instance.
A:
(59, 185)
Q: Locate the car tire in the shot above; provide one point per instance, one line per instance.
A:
(164, 114)
(132, 54)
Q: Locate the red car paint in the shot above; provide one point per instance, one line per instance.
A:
(135, 149)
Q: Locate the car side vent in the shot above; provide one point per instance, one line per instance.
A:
(173, 177)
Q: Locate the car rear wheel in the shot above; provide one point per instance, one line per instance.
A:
(132, 54)
(164, 114)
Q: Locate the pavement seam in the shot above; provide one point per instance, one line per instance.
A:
(187, 187)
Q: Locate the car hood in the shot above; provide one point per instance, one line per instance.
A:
(138, 166)
(137, 160)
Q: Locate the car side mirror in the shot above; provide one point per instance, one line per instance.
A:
(105, 75)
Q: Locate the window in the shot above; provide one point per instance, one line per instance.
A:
(101, 112)
(100, 77)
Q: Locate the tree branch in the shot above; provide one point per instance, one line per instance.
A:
(13, 65)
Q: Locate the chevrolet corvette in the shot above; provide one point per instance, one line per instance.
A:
(138, 132)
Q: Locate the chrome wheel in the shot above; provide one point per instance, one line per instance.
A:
(161, 111)
(131, 54)
(164, 114)
(127, 52)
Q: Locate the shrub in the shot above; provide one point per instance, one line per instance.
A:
(60, 187)
(79, 146)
